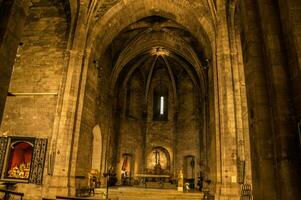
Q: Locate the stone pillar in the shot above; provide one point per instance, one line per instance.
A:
(227, 186)
(261, 134)
(243, 140)
(286, 138)
(66, 135)
(291, 26)
(64, 154)
(240, 97)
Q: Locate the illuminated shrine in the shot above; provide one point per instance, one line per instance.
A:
(20, 160)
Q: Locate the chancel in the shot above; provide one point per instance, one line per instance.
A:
(150, 99)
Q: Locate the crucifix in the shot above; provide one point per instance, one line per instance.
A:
(157, 156)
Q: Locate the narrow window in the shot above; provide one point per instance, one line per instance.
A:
(161, 105)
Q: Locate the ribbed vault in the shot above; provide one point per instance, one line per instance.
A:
(154, 38)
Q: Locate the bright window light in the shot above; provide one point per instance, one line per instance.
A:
(161, 105)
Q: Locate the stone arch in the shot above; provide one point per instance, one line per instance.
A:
(203, 29)
(104, 30)
(166, 154)
(186, 98)
(184, 15)
(134, 97)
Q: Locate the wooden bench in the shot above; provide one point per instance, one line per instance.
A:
(85, 192)
(9, 193)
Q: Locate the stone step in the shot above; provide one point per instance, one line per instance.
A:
(133, 193)
(156, 185)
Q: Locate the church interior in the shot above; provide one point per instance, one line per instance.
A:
(195, 98)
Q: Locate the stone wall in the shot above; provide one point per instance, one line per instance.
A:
(161, 132)
(131, 131)
(138, 134)
(37, 76)
(104, 111)
(11, 25)
(188, 130)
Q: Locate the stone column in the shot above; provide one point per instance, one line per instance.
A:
(244, 140)
(240, 97)
(65, 144)
(291, 26)
(227, 181)
(286, 143)
(261, 134)
(65, 135)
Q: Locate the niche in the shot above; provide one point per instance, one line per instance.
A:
(158, 161)
(190, 170)
(20, 156)
(126, 169)
(22, 159)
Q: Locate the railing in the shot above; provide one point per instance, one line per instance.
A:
(246, 192)
(85, 192)
(8, 194)
(208, 196)
(72, 198)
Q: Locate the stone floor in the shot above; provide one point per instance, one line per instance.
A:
(133, 193)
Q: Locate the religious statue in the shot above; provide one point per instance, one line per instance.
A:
(180, 181)
(20, 160)
(93, 178)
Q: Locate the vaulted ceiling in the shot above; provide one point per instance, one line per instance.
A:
(155, 44)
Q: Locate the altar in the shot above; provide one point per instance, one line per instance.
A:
(157, 172)
(143, 179)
